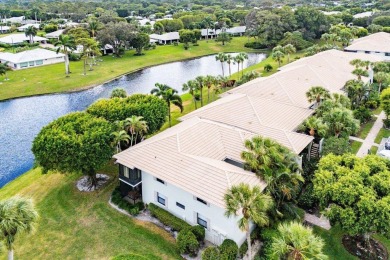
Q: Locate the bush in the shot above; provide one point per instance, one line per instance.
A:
(50, 28)
(363, 114)
(211, 253)
(167, 218)
(199, 233)
(266, 237)
(256, 45)
(307, 200)
(336, 146)
(117, 199)
(228, 250)
(243, 249)
(187, 243)
(386, 123)
(118, 93)
(153, 109)
(268, 67)
(74, 56)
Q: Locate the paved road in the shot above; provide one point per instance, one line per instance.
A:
(369, 141)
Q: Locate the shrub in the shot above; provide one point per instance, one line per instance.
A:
(243, 249)
(119, 93)
(268, 67)
(256, 45)
(117, 199)
(228, 250)
(386, 123)
(167, 218)
(187, 243)
(211, 253)
(266, 237)
(363, 114)
(199, 232)
(153, 109)
(336, 146)
(307, 200)
(74, 56)
(50, 28)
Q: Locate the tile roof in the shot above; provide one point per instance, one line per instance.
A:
(377, 42)
(30, 55)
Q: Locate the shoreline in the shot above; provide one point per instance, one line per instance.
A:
(262, 51)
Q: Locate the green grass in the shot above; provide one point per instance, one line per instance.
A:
(355, 146)
(334, 249)
(383, 133)
(374, 149)
(51, 78)
(365, 129)
(75, 225)
(377, 111)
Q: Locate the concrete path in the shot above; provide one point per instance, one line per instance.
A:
(369, 141)
(320, 222)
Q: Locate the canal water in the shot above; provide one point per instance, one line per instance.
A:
(21, 119)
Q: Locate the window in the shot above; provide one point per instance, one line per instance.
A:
(160, 199)
(201, 220)
(24, 64)
(180, 205)
(39, 62)
(387, 54)
(31, 64)
(367, 52)
(126, 172)
(202, 201)
(159, 180)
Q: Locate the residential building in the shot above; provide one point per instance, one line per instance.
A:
(166, 38)
(54, 35)
(377, 44)
(31, 58)
(13, 20)
(18, 38)
(4, 29)
(363, 15)
(24, 27)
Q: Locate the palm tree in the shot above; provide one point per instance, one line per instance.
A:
(65, 43)
(170, 96)
(341, 121)
(229, 60)
(380, 78)
(31, 32)
(289, 49)
(238, 59)
(244, 56)
(251, 205)
(278, 56)
(209, 81)
(356, 62)
(93, 26)
(136, 127)
(192, 87)
(317, 93)
(208, 23)
(277, 166)
(4, 68)
(200, 80)
(119, 137)
(359, 73)
(17, 215)
(221, 57)
(296, 242)
(316, 126)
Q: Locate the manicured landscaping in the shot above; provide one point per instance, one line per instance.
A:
(355, 146)
(383, 133)
(365, 129)
(374, 149)
(82, 225)
(51, 78)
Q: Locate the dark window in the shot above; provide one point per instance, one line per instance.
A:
(202, 201)
(180, 205)
(367, 52)
(201, 220)
(234, 162)
(387, 54)
(160, 199)
(159, 180)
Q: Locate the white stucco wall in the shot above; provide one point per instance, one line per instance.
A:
(380, 54)
(45, 62)
(219, 227)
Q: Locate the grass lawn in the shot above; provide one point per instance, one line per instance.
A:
(355, 146)
(75, 225)
(51, 78)
(374, 149)
(383, 133)
(365, 129)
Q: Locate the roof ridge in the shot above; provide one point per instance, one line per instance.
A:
(254, 110)
(281, 85)
(289, 140)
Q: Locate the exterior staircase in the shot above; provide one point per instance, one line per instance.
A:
(315, 151)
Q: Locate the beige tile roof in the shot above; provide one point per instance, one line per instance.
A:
(377, 42)
(251, 112)
(190, 156)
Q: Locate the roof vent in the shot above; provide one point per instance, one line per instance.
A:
(234, 162)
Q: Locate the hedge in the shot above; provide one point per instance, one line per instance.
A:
(187, 242)
(228, 250)
(153, 109)
(211, 253)
(167, 218)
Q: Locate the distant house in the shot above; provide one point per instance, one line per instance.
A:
(24, 27)
(4, 29)
(166, 38)
(235, 31)
(363, 15)
(31, 58)
(12, 20)
(54, 35)
(18, 38)
(377, 44)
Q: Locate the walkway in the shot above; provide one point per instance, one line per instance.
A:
(320, 222)
(370, 139)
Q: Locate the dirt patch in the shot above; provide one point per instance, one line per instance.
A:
(357, 246)
(84, 183)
